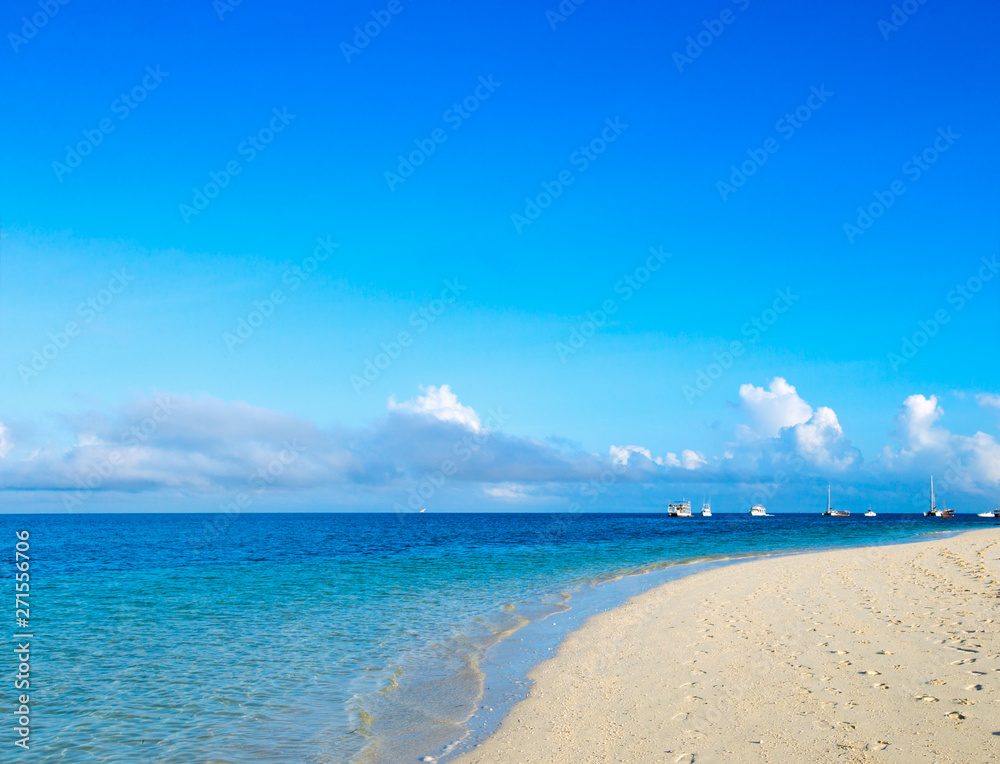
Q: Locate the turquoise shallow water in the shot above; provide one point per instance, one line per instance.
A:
(332, 637)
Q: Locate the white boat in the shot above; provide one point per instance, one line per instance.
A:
(758, 510)
(706, 509)
(679, 509)
(870, 512)
(995, 514)
(933, 511)
(830, 511)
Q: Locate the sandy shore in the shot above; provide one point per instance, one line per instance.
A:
(885, 654)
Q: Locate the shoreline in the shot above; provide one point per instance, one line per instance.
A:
(507, 664)
(494, 734)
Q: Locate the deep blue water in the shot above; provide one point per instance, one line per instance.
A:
(326, 637)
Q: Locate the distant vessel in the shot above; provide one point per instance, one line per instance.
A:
(994, 513)
(934, 511)
(680, 509)
(870, 512)
(706, 509)
(830, 512)
(757, 510)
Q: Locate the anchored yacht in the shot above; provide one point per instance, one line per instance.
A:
(758, 510)
(706, 509)
(933, 511)
(830, 511)
(680, 509)
(993, 513)
(870, 512)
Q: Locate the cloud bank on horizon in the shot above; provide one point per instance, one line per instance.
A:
(432, 450)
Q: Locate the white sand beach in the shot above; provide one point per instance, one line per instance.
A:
(882, 654)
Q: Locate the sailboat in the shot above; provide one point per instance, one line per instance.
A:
(706, 508)
(934, 511)
(993, 513)
(830, 511)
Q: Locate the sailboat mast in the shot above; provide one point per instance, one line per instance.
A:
(827, 497)
(932, 493)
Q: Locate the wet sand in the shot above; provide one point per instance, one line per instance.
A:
(882, 654)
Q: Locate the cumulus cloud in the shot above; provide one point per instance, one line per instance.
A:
(783, 425)
(689, 459)
(440, 403)
(775, 408)
(970, 463)
(200, 445)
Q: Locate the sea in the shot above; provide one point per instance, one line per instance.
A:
(348, 638)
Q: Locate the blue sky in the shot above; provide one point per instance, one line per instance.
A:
(846, 105)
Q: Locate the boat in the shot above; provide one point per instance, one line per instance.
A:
(679, 509)
(870, 512)
(757, 510)
(706, 509)
(933, 511)
(830, 511)
(994, 513)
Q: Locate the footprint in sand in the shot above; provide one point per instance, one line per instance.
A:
(683, 716)
(870, 673)
(694, 699)
(927, 698)
(937, 681)
(885, 652)
(963, 702)
(974, 687)
(881, 686)
(955, 715)
(839, 652)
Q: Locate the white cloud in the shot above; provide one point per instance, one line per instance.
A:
(6, 444)
(784, 425)
(689, 459)
(988, 399)
(440, 403)
(773, 409)
(970, 463)
(506, 492)
(692, 460)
